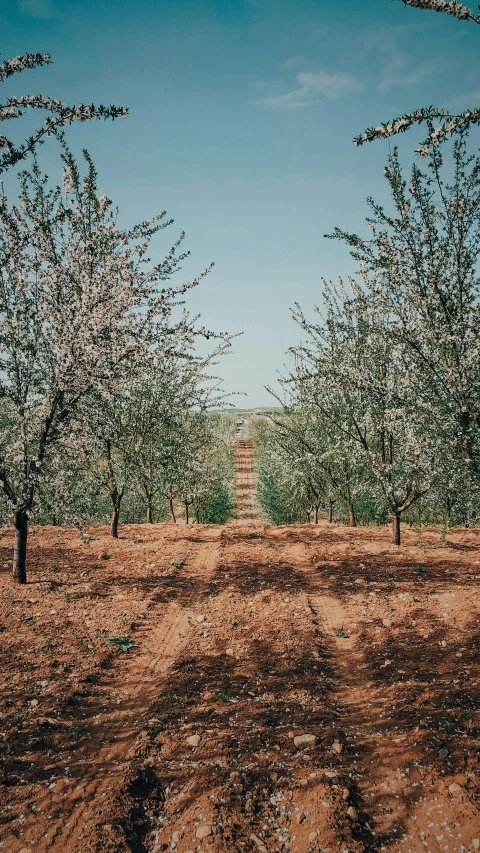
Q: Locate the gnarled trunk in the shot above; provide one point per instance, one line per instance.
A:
(316, 513)
(396, 527)
(187, 512)
(351, 516)
(149, 511)
(20, 521)
(172, 511)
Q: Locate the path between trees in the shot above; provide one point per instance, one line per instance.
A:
(246, 637)
(247, 510)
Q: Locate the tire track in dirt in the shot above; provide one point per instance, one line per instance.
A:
(383, 764)
(245, 779)
(115, 723)
(267, 644)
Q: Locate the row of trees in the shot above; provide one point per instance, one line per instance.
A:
(101, 387)
(104, 401)
(382, 404)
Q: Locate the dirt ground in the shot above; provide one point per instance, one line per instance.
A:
(246, 637)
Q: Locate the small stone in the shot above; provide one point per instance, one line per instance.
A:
(234, 774)
(475, 843)
(443, 753)
(203, 831)
(193, 740)
(304, 740)
(444, 643)
(53, 612)
(387, 662)
(107, 827)
(312, 837)
(149, 762)
(229, 652)
(207, 696)
(352, 814)
(26, 850)
(34, 703)
(337, 747)
(345, 794)
(303, 782)
(47, 721)
(258, 841)
(387, 623)
(277, 747)
(274, 776)
(175, 837)
(454, 789)
(200, 618)
(458, 655)
(330, 774)
(359, 580)
(291, 735)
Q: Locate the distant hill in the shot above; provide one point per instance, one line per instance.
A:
(256, 411)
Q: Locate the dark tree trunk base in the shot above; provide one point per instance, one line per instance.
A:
(396, 528)
(114, 523)
(20, 547)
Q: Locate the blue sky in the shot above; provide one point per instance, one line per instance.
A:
(242, 114)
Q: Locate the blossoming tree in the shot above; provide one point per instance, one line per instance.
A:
(349, 371)
(447, 123)
(424, 257)
(80, 303)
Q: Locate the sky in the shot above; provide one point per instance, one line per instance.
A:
(242, 114)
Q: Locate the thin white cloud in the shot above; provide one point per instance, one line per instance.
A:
(311, 87)
(398, 73)
(37, 9)
(467, 101)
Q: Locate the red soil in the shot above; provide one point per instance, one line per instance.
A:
(261, 634)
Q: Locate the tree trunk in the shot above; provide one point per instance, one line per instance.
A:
(20, 521)
(172, 511)
(114, 523)
(197, 515)
(316, 513)
(351, 516)
(187, 514)
(396, 528)
(149, 511)
(330, 511)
